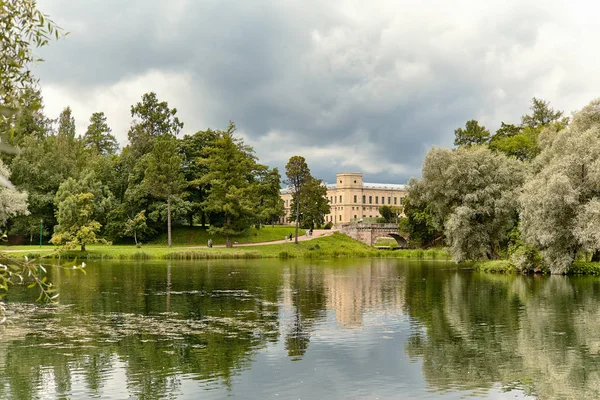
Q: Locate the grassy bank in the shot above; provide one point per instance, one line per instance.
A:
(334, 246)
(497, 266)
(506, 267)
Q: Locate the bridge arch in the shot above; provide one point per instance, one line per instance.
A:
(402, 243)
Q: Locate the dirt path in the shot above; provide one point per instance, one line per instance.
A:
(316, 234)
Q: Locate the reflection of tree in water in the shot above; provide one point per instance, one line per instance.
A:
(304, 295)
(473, 331)
(204, 324)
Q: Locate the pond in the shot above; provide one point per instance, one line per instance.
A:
(270, 329)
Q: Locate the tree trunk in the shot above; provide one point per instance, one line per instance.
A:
(191, 218)
(135, 237)
(596, 256)
(297, 215)
(82, 246)
(227, 237)
(169, 220)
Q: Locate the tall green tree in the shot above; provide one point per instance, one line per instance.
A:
(418, 221)
(541, 115)
(152, 118)
(269, 207)
(163, 178)
(193, 153)
(98, 136)
(231, 167)
(314, 204)
(298, 178)
(473, 134)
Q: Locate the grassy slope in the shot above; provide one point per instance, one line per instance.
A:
(198, 236)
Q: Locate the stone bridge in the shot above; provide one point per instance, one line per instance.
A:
(369, 233)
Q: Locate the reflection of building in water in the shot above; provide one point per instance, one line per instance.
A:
(353, 291)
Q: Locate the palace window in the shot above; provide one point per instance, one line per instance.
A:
(364, 199)
(400, 200)
(376, 199)
(370, 199)
(389, 200)
(396, 200)
(340, 198)
(355, 217)
(355, 198)
(382, 200)
(340, 217)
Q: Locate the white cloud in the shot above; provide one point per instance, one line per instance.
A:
(115, 100)
(391, 77)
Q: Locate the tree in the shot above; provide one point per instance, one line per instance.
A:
(193, 152)
(80, 203)
(559, 202)
(12, 201)
(98, 136)
(22, 29)
(542, 114)
(163, 177)
(390, 213)
(270, 205)
(472, 194)
(298, 177)
(313, 204)
(136, 226)
(523, 145)
(231, 168)
(152, 118)
(418, 222)
(472, 134)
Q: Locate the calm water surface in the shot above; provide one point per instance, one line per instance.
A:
(362, 329)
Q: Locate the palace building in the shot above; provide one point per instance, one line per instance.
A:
(351, 199)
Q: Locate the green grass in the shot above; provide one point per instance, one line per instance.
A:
(496, 266)
(585, 268)
(198, 236)
(335, 246)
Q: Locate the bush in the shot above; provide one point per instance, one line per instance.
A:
(138, 245)
(328, 225)
(527, 259)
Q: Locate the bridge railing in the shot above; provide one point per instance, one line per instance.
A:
(361, 225)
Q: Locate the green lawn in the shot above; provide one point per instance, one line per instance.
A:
(198, 236)
(333, 246)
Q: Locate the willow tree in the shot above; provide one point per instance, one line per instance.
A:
(472, 195)
(560, 204)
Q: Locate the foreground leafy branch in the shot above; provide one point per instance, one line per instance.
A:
(30, 273)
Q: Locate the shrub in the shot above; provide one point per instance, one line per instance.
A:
(528, 259)
(328, 225)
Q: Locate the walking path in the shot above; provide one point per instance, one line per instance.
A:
(316, 233)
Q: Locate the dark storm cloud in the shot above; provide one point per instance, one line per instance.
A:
(320, 73)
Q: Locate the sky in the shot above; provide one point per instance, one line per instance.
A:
(353, 86)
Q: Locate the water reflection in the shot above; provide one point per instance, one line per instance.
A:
(162, 330)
